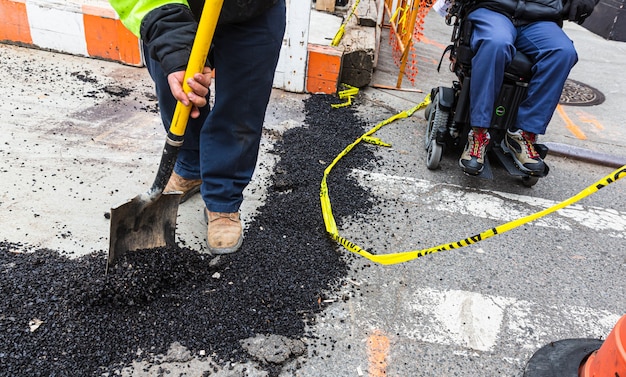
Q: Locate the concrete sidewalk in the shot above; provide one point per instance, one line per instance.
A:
(83, 135)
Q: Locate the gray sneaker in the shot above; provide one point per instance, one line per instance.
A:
(472, 159)
(521, 145)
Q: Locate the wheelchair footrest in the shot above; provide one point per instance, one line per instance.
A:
(507, 161)
(487, 172)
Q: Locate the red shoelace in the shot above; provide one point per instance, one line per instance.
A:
(481, 139)
(529, 139)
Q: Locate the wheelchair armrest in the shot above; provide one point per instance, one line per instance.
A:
(520, 66)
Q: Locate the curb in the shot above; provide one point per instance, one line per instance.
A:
(78, 29)
(585, 155)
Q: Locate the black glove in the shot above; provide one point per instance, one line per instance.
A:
(168, 32)
(578, 10)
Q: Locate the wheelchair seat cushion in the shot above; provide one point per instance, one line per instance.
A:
(520, 66)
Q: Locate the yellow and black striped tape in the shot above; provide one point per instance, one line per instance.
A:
(401, 257)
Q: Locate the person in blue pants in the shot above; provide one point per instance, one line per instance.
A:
(221, 143)
(499, 29)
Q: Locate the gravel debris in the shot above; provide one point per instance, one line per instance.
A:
(60, 316)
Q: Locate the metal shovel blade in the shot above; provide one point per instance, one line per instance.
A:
(143, 222)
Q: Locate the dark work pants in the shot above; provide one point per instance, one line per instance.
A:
(221, 145)
(494, 42)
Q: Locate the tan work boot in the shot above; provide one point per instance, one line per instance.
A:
(187, 186)
(224, 232)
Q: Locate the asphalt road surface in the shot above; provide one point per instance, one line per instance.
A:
(81, 135)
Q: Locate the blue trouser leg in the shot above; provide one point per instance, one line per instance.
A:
(221, 146)
(492, 42)
(188, 161)
(245, 59)
(554, 55)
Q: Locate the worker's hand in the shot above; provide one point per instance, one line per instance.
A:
(578, 10)
(199, 85)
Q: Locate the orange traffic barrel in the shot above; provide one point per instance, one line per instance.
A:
(610, 359)
(561, 358)
(582, 357)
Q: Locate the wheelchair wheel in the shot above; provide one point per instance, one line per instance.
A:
(428, 110)
(437, 119)
(433, 155)
(529, 181)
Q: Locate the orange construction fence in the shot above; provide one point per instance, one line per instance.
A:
(406, 23)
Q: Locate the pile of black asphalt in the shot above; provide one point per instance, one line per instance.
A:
(61, 316)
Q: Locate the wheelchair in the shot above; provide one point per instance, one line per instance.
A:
(448, 113)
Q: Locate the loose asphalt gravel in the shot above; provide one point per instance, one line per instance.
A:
(60, 315)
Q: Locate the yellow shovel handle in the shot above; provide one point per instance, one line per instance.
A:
(197, 59)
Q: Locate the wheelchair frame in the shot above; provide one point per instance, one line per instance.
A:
(448, 113)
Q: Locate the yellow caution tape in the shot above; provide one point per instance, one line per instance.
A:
(342, 28)
(338, 36)
(395, 258)
(395, 14)
(347, 93)
(375, 141)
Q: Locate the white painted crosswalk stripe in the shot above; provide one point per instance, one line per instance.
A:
(476, 321)
(488, 204)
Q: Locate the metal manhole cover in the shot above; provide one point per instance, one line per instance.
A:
(578, 94)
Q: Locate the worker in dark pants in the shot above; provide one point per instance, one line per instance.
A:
(221, 144)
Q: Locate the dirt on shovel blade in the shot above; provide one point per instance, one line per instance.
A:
(62, 316)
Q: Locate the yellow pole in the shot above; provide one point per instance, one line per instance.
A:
(197, 59)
